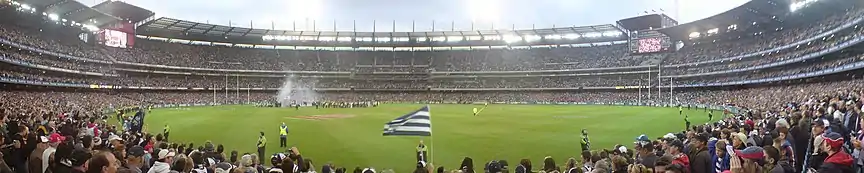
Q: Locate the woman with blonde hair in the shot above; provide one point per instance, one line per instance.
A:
(638, 168)
(572, 166)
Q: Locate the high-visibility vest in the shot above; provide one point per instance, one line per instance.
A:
(262, 141)
(283, 130)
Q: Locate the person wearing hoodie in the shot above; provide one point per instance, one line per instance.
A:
(163, 163)
(719, 155)
(675, 150)
(701, 160)
(838, 160)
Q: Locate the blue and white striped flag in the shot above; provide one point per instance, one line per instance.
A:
(416, 123)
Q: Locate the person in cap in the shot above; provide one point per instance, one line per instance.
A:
(135, 159)
(838, 160)
(35, 161)
(163, 162)
(78, 160)
(818, 155)
(276, 161)
(747, 160)
(739, 141)
(675, 150)
(645, 151)
(103, 162)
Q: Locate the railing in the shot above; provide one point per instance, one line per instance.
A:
(847, 67)
(49, 68)
(40, 50)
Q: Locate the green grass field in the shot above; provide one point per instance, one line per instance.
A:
(510, 132)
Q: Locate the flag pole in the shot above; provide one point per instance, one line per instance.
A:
(431, 138)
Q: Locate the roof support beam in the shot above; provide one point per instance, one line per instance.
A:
(172, 24)
(225, 34)
(247, 32)
(188, 28)
(208, 29)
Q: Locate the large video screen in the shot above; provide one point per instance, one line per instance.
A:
(650, 45)
(115, 38)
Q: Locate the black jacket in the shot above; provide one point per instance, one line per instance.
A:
(701, 163)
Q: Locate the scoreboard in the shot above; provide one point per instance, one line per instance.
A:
(649, 42)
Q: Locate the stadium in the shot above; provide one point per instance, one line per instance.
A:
(112, 88)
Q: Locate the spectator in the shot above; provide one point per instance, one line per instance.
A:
(700, 160)
(135, 159)
(838, 160)
(103, 162)
(36, 159)
(162, 164)
(679, 158)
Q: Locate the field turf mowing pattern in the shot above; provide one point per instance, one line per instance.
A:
(510, 132)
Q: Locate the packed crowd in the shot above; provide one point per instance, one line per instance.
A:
(786, 54)
(55, 131)
(712, 51)
(28, 31)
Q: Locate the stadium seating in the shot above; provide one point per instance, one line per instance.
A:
(46, 73)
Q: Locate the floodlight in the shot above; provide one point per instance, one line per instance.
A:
(454, 38)
(712, 31)
(492, 37)
(552, 37)
(473, 38)
(267, 37)
(732, 27)
(611, 33)
(511, 38)
(326, 38)
(592, 34)
(442, 38)
(382, 39)
(421, 39)
(53, 17)
(91, 27)
(401, 39)
(695, 35)
(571, 36)
(25, 6)
(345, 39)
(531, 38)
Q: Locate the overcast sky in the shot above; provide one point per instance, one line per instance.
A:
(484, 13)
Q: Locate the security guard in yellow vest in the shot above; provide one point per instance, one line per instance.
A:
(262, 142)
(283, 135)
(166, 131)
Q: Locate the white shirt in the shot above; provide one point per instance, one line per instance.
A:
(46, 156)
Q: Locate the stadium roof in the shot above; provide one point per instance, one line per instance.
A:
(131, 13)
(72, 10)
(182, 29)
(754, 13)
(188, 27)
